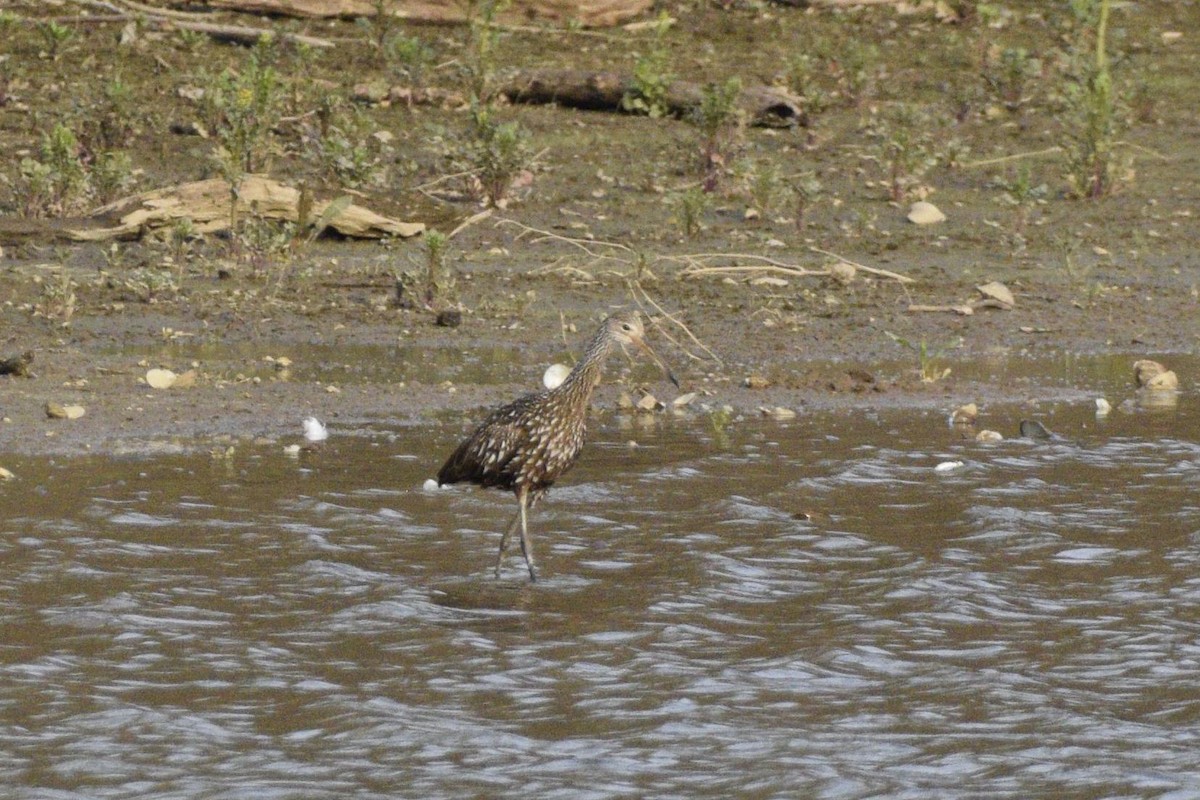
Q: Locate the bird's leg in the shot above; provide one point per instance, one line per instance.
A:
(512, 526)
(526, 542)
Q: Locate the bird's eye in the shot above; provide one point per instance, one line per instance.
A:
(625, 326)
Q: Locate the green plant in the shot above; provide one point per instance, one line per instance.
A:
(690, 206)
(344, 148)
(408, 55)
(1094, 168)
(652, 75)
(439, 273)
(58, 300)
(190, 39)
(762, 183)
(802, 78)
(245, 107)
(1009, 78)
(721, 124)
(1022, 195)
(904, 149)
(482, 43)
(927, 356)
(58, 182)
(112, 175)
(55, 37)
(116, 115)
(855, 66)
(497, 152)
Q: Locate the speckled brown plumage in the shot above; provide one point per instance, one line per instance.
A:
(527, 445)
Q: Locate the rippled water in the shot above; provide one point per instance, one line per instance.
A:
(805, 609)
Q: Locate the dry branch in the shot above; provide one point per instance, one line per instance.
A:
(765, 106)
(589, 13)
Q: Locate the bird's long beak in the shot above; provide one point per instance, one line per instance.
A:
(646, 348)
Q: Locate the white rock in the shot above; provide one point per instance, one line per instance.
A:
(554, 375)
(947, 466)
(1102, 407)
(430, 485)
(925, 213)
(314, 431)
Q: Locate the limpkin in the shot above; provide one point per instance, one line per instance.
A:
(527, 445)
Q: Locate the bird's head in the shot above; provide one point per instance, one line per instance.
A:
(626, 328)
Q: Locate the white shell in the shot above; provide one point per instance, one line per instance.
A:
(925, 213)
(554, 375)
(161, 378)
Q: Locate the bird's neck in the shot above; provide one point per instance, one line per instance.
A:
(583, 379)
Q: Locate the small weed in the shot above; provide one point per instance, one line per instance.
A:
(805, 189)
(112, 175)
(1023, 196)
(762, 183)
(440, 277)
(56, 38)
(483, 40)
(927, 356)
(409, 56)
(58, 301)
(856, 66)
(497, 152)
(690, 207)
(245, 106)
(149, 285)
(344, 147)
(58, 182)
(904, 150)
(1009, 78)
(652, 75)
(802, 78)
(721, 125)
(115, 120)
(191, 40)
(1094, 168)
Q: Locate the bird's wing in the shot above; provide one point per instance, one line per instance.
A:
(486, 457)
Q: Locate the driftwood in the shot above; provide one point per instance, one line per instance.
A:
(588, 13)
(166, 18)
(765, 106)
(206, 204)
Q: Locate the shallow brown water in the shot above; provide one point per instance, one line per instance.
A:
(764, 610)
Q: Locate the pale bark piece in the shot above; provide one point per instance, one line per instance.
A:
(588, 13)
(206, 204)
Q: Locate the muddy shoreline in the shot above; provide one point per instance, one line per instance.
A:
(1113, 276)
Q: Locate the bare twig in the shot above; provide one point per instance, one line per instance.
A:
(886, 273)
(469, 221)
(636, 288)
(990, 162)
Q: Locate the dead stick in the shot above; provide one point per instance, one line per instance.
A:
(896, 276)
